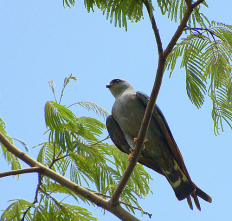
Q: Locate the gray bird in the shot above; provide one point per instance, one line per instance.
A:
(160, 152)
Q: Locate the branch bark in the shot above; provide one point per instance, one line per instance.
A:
(21, 171)
(154, 27)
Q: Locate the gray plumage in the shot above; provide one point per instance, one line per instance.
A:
(161, 152)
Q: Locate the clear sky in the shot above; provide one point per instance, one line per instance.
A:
(42, 41)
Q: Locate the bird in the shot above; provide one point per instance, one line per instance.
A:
(160, 151)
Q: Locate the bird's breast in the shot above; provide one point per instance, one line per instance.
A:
(128, 111)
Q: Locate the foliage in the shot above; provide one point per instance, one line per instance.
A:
(176, 10)
(10, 158)
(85, 156)
(48, 209)
(15, 210)
(118, 11)
(206, 56)
(74, 150)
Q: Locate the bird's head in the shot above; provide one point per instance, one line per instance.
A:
(119, 86)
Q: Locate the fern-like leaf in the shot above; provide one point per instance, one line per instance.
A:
(90, 106)
(207, 56)
(12, 160)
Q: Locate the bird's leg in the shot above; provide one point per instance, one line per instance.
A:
(130, 154)
(132, 150)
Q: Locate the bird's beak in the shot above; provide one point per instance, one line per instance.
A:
(109, 85)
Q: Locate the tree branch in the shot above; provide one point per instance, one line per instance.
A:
(117, 211)
(197, 3)
(154, 27)
(20, 171)
(36, 196)
(126, 204)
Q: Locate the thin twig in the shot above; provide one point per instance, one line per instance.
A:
(154, 27)
(126, 204)
(180, 29)
(67, 155)
(20, 171)
(36, 196)
(203, 30)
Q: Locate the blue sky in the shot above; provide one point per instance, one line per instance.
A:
(42, 41)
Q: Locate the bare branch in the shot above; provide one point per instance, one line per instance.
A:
(126, 204)
(154, 27)
(197, 3)
(20, 171)
(188, 2)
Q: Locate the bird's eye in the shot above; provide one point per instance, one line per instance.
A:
(117, 81)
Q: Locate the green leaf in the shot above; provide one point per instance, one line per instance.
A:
(207, 56)
(61, 122)
(93, 107)
(12, 160)
(74, 149)
(15, 210)
(177, 9)
(50, 209)
(117, 11)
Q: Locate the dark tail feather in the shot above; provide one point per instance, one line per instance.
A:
(190, 202)
(195, 194)
(203, 195)
(181, 185)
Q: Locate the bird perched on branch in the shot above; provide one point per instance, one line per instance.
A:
(160, 151)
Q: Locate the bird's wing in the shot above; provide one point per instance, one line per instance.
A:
(163, 125)
(121, 143)
(117, 135)
(164, 128)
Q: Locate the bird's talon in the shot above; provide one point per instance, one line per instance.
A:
(130, 154)
(136, 140)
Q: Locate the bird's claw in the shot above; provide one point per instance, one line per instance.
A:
(132, 150)
(136, 140)
(130, 154)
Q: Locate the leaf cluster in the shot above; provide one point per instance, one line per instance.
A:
(120, 11)
(117, 11)
(88, 160)
(175, 10)
(48, 209)
(9, 157)
(207, 59)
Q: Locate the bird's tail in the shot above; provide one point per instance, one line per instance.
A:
(180, 183)
(184, 187)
